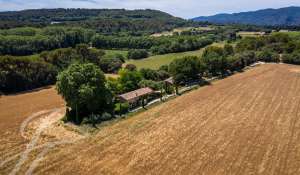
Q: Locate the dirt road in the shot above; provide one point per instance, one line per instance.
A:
(245, 124)
(14, 110)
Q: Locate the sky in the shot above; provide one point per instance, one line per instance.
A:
(179, 8)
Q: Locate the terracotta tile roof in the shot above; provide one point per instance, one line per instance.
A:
(134, 95)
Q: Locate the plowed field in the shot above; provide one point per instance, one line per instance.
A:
(245, 124)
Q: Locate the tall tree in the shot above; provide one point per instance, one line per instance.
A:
(83, 88)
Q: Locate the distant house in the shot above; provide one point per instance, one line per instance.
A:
(135, 97)
(55, 22)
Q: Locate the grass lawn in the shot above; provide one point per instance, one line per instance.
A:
(35, 57)
(154, 62)
(112, 53)
(293, 34)
(115, 76)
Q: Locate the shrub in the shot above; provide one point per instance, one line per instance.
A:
(234, 63)
(110, 65)
(97, 118)
(164, 68)
(129, 80)
(293, 58)
(247, 58)
(162, 75)
(149, 74)
(120, 57)
(250, 43)
(218, 51)
(228, 50)
(154, 75)
(267, 56)
(124, 108)
(137, 54)
(130, 67)
(151, 84)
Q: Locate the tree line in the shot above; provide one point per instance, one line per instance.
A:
(156, 45)
(28, 41)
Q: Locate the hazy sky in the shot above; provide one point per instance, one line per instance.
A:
(181, 8)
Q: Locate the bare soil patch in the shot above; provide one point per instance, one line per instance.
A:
(295, 70)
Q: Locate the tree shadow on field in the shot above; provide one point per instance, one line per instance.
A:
(27, 91)
(205, 83)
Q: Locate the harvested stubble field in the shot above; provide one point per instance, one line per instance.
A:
(245, 124)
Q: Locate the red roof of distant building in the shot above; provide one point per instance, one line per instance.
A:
(136, 94)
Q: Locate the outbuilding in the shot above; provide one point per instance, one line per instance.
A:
(135, 97)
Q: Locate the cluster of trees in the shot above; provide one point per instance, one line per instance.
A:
(84, 90)
(62, 58)
(224, 60)
(269, 48)
(278, 42)
(28, 41)
(19, 74)
(25, 73)
(137, 54)
(217, 61)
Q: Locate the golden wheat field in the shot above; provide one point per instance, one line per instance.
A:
(244, 124)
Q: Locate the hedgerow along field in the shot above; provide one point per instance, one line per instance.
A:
(154, 62)
(243, 124)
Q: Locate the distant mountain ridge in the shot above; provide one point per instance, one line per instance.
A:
(288, 16)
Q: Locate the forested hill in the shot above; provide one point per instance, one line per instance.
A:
(289, 16)
(49, 15)
(103, 20)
